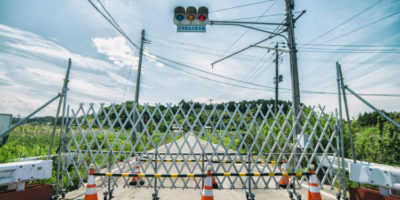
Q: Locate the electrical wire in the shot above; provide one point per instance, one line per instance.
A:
(346, 21)
(207, 72)
(364, 26)
(277, 29)
(119, 29)
(245, 32)
(114, 23)
(240, 6)
(352, 45)
(207, 78)
(154, 57)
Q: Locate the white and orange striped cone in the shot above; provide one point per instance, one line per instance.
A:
(207, 193)
(313, 189)
(285, 179)
(137, 179)
(91, 193)
(214, 182)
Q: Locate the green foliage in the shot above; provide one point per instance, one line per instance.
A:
(376, 139)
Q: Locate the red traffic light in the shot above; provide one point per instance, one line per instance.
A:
(202, 13)
(202, 18)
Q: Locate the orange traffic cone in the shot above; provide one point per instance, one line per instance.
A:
(285, 179)
(137, 179)
(91, 193)
(214, 183)
(207, 193)
(313, 189)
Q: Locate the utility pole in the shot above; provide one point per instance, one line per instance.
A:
(138, 83)
(293, 64)
(276, 77)
(139, 69)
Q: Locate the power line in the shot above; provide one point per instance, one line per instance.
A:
(119, 29)
(207, 72)
(352, 45)
(350, 51)
(254, 84)
(277, 29)
(341, 24)
(207, 78)
(250, 72)
(153, 57)
(245, 32)
(240, 6)
(364, 26)
(114, 23)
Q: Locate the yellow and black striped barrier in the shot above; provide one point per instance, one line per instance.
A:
(200, 175)
(212, 161)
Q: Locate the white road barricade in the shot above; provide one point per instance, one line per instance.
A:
(15, 174)
(386, 177)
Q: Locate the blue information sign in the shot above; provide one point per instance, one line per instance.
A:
(191, 28)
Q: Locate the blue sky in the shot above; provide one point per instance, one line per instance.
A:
(37, 38)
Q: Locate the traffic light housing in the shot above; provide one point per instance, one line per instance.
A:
(202, 14)
(179, 13)
(191, 19)
(191, 13)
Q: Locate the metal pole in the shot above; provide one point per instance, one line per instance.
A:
(30, 115)
(347, 114)
(337, 130)
(60, 156)
(371, 106)
(65, 90)
(155, 194)
(139, 68)
(293, 64)
(202, 168)
(276, 77)
(138, 80)
(341, 131)
(63, 93)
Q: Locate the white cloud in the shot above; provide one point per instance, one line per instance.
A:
(159, 64)
(117, 50)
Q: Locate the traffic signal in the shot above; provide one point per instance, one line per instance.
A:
(179, 13)
(191, 19)
(191, 13)
(202, 14)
